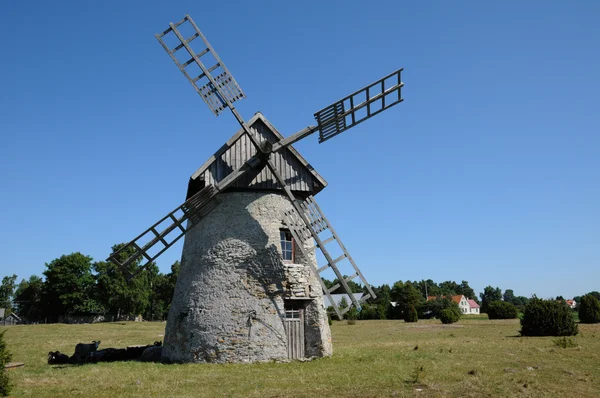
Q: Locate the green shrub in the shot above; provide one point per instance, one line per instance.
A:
(433, 308)
(501, 310)
(411, 315)
(547, 318)
(565, 342)
(589, 309)
(5, 357)
(352, 315)
(449, 316)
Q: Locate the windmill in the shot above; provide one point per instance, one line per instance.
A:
(249, 287)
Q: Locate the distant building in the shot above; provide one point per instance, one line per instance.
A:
(466, 306)
(338, 298)
(10, 319)
(473, 307)
(571, 303)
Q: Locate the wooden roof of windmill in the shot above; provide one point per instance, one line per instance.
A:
(296, 171)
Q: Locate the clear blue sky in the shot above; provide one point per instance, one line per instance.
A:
(489, 171)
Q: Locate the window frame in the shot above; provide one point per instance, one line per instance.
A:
(282, 235)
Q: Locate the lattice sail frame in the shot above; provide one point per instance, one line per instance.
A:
(218, 91)
(359, 106)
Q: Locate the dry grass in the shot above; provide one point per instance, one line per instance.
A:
(476, 358)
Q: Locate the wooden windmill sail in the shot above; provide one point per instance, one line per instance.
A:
(219, 90)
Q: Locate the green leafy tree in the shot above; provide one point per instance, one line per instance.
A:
(352, 315)
(407, 297)
(489, 294)
(354, 287)
(7, 290)
(69, 285)
(508, 296)
(343, 303)
(449, 288)
(163, 287)
(411, 315)
(467, 291)
(595, 294)
(28, 298)
(589, 309)
(328, 283)
(547, 318)
(382, 302)
(119, 294)
(433, 308)
(5, 357)
(502, 310)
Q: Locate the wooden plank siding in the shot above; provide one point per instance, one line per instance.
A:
(300, 176)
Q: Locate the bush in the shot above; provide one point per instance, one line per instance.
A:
(449, 316)
(411, 315)
(352, 315)
(5, 357)
(502, 310)
(547, 318)
(589, 309)
(433, 308)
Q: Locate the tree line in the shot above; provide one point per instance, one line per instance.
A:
(75, 284)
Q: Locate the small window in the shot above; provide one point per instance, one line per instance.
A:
(287, 245)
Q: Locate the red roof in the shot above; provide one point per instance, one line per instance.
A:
(473, 304)
(456, 298)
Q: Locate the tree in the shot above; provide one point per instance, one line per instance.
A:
(343, 303)
(595, 294)
(382, 302)
(5, 357)
(68, 286)
(7, 290)
(560, 298)
(118, 293)
(28, 298)
(489, 294)
(502, 310)
(589, 309)
(547, 318)
(433, 308)
(467, 291)
(508, 296)
(354, 287)
(163, 287)
(411, 315)
(449, 288)
(406, 296)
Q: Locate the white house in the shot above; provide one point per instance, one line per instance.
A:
(473, 307)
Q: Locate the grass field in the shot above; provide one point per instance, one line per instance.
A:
(472, 358)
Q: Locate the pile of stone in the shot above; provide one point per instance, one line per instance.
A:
(89, 353)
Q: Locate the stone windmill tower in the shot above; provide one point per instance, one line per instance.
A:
(249, 287)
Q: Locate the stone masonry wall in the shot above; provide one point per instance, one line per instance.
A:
(228, 304)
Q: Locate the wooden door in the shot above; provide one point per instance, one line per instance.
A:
(294, 329)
